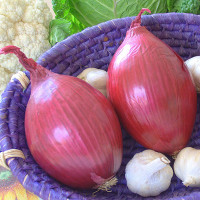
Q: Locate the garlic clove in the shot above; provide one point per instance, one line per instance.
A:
(187, 166)
(96, 78)
(196, 72)
(193, 65)
(84, 73)
(148, 173)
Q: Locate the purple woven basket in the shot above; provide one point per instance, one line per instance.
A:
(94, 47)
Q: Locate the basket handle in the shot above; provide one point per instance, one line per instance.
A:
(22, 78)
(14, 153)
(11, 153)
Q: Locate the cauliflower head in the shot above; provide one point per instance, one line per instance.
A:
(23, 23)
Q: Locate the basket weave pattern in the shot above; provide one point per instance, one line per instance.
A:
(94, 47)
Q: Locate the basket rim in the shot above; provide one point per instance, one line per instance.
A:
(113, 22)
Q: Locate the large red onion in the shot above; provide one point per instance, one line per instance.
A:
(152, 91)
(72, 130)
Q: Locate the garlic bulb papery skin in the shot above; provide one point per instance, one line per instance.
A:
(96, 78)
(148, 173)
(193, 65)
(187, 166)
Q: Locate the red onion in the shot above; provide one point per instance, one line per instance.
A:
(151, 90)
(72, 130)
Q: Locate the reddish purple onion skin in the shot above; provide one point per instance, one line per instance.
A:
(152, 91)
(71, 129)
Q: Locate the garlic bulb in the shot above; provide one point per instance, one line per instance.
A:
(187, 166)
(148, 173)
(96, 78)
(193, 65)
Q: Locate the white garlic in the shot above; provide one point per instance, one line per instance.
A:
(193, 65)
(96, 78)
(187, 166)
(148, 173)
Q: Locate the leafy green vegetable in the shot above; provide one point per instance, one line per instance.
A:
(62, 11)
(64, 24)
(92, 12)
(73, 16)
(59, 30)
(185, 6)
(170, 4)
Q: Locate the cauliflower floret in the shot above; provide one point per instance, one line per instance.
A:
(4, 78)
(13, 9)
(7, 31)
(37, 11)
(23, 23)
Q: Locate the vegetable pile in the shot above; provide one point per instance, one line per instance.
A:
(73, 130)
(24, 24)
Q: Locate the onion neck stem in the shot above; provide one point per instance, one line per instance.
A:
(137, 20)
(29, 64)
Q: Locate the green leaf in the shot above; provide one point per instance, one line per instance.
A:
(187, 6)
(59, 30)
(61, 8)
(75, 15)
(62, 11)
(170, 5)
(92, 12)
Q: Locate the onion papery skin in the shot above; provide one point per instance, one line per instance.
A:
(152, 91)
(72, 130)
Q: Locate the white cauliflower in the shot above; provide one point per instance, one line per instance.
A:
(23, 23)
